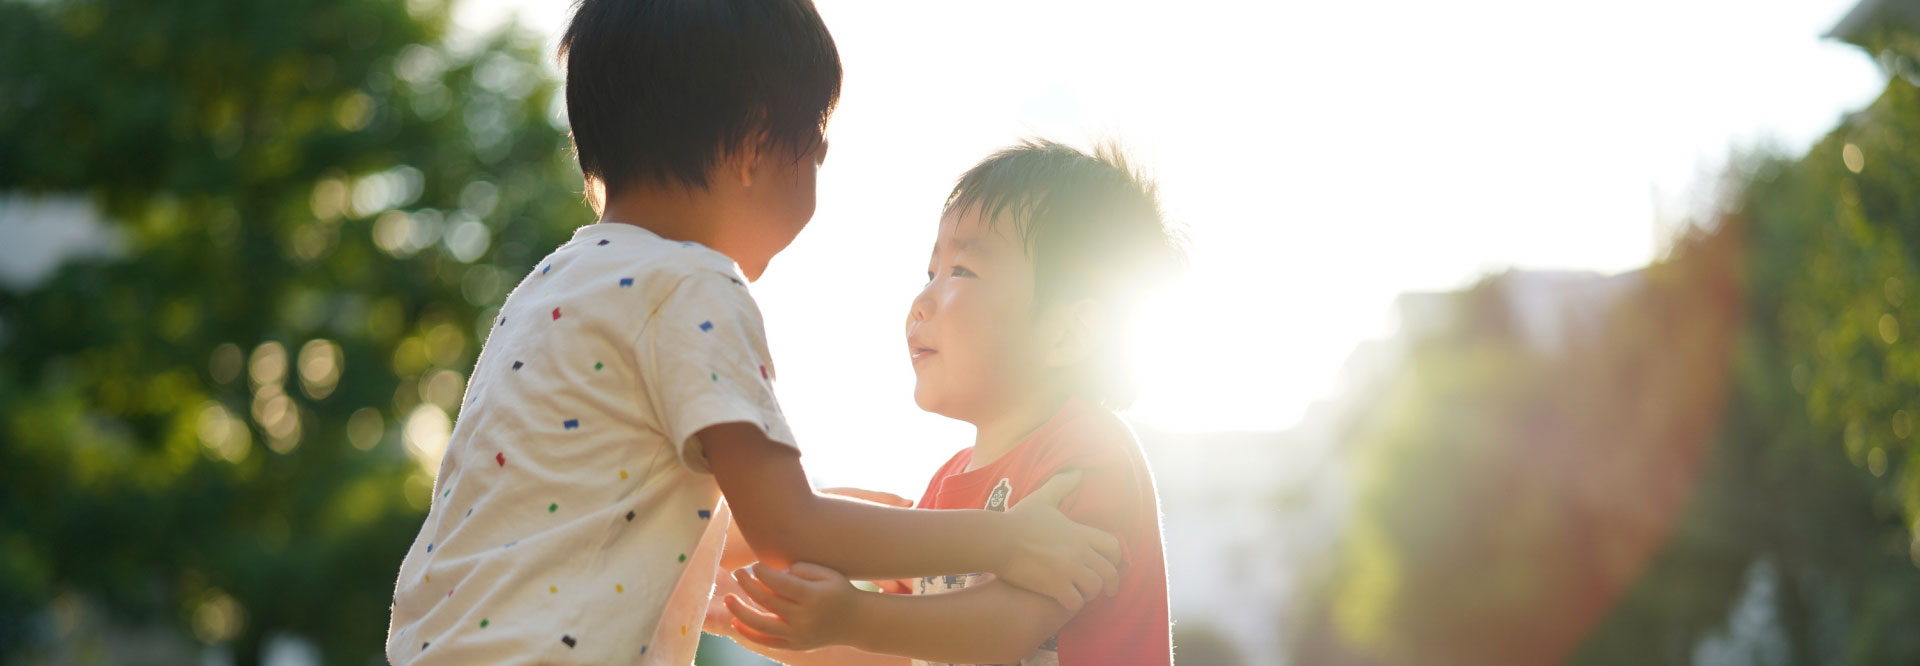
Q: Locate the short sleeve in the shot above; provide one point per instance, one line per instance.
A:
(1107, 494)
(1111, 482)
(703, 358)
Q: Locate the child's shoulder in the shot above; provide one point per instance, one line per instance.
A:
(1086, 428)
(645, 253)
(631, 259)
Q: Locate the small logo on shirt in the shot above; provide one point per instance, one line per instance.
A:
(997, 500)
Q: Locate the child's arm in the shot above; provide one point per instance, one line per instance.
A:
(1032, 546)
(736, 553)
(811, 606)
(719, 622)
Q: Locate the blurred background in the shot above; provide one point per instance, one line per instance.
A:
(1518, 333)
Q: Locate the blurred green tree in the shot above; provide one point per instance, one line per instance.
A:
(1813, 477)
(226, 425)
(1721, 472)
(1513, 480)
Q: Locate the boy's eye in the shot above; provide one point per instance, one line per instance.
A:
(961, 271)
(929, 276)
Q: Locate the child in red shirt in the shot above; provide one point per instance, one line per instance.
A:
(1041, 253)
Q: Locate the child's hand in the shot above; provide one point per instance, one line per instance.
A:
(803, 608)
(719, 620)
(1057, 557)
(874, 496)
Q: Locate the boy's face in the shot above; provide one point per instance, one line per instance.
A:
(976, 347)
(780, 200)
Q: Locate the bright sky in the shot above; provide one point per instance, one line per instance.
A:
(1324, 157)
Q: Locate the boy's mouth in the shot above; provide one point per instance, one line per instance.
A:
(918, 354)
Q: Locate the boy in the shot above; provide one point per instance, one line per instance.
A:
(1041, 253)
(626, 386)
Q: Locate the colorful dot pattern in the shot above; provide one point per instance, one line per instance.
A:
(574, 424)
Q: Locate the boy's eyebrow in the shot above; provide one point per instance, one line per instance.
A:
(960, 244)
(972, 243)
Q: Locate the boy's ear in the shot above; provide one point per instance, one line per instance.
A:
(1078, 333)
(745, 160)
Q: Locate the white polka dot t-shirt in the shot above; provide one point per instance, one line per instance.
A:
(572, 500)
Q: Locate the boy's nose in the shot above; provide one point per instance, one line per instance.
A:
(922, 306)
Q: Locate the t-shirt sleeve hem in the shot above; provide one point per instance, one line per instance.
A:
(714, 409)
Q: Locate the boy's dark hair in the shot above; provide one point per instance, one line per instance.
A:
(1091, 225)
(659, 90)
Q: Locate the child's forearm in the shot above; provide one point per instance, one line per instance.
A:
(991, 622)
(787, 522)
(870, 542)
(736, 552)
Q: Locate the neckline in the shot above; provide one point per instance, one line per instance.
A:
(604, 227)
(1069, 412)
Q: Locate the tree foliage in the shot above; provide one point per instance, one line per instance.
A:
(1721, 470)
(317, 205)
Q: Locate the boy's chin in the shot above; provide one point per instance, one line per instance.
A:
(925, 402)
(931, 402)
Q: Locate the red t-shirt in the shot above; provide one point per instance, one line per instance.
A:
(1116, 494)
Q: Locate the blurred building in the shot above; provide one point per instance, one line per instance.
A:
(1252, 519)
(1872, 16)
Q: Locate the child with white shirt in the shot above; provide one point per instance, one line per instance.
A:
(626, 386)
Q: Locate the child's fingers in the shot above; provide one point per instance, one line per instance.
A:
(1087, 583)
(1105, 544)
(813, 572)
(743, 578)
(874, 496)
(781, 582)
(896, 500)
(746, 632)
(718, 619)
(764, 597)
(1109, 574)
(756, 619)
(1065, 594)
